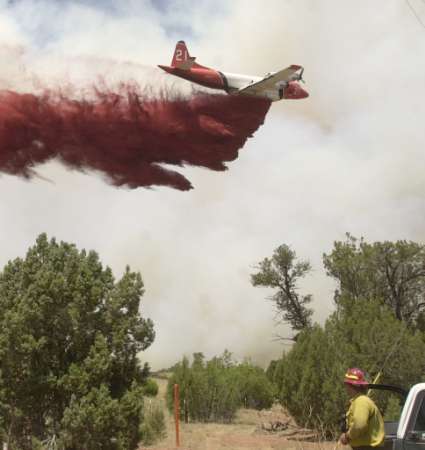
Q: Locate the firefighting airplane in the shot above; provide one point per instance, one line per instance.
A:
(273, 86)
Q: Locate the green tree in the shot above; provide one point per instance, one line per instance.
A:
(256, 390)
(69, 339)
(282, 272)
(393, 272)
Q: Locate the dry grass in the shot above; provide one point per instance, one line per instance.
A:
(244, 434)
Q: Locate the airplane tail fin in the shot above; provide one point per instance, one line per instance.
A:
(181, 58)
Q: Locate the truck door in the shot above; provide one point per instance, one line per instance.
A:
(414, 438)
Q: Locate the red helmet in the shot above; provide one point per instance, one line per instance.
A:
(356, 377)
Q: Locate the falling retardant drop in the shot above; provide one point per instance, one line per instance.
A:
(125, 134)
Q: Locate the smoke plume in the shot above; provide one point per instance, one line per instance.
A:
(125, 134)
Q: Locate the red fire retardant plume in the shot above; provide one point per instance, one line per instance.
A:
(125, 135)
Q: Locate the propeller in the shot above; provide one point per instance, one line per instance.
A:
(300, 76)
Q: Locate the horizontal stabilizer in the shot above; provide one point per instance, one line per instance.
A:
(186, 64)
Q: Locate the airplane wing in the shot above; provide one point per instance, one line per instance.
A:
(272, 81)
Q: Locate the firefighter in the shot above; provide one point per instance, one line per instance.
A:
(365, 426)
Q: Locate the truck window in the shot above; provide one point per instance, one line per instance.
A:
(393, 408)
(420, 417)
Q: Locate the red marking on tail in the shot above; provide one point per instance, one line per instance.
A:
(181, 54)
(182, 59)
(125, 135)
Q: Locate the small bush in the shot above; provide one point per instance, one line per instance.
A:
(150, 388)
(153, 427)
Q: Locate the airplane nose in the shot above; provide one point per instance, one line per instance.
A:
(294, 91)
(299, 92)
(302, 93)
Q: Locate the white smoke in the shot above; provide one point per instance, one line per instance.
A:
(349, 158)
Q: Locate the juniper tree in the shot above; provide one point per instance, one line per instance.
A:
(70, 335)
(282, 273)
(392, 272)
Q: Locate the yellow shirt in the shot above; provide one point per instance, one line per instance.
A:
(365, 423)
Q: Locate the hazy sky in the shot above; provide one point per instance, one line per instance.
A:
(348, 158)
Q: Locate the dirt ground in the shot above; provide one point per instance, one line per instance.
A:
(250, 431)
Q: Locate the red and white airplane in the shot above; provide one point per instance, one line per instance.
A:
(273, 86)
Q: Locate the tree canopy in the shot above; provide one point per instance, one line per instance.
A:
(69, 338)
(282, 272)
(392, 272)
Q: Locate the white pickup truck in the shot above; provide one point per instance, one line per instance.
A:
(409, 432)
